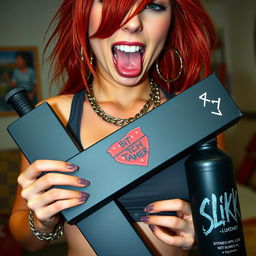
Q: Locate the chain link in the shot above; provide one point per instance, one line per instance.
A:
(154, 98)
(42, 235)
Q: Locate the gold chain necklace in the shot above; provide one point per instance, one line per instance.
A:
(154, 97)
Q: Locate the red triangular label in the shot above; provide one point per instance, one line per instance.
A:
(132, 149)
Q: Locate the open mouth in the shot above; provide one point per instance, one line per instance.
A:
(128, 58)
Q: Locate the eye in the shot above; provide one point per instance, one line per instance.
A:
(155, 7)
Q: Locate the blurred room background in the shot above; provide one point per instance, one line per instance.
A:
(23, 25)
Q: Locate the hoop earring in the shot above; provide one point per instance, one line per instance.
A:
(88, 77)
(82, 56)
(181, 67)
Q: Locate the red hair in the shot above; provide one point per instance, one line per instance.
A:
(191, 33)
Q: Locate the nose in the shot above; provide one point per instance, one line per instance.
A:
(134, 25)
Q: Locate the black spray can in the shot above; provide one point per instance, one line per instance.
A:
(214, 202)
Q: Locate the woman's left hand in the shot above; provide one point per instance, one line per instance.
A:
(173, 230)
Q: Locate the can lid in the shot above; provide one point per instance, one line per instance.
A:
(211, 141)
(208, 143)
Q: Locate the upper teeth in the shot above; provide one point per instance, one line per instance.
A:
(127, 48)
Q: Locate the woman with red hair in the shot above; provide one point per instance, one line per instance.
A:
(118, 59)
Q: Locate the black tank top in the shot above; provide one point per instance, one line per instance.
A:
(169, 183)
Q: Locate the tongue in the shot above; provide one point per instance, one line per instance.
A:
(128, 64)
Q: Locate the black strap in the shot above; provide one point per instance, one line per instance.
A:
(167, 94)
(76, 114)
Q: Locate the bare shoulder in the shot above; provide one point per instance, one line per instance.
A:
(61, 105)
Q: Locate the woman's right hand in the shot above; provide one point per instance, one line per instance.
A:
(45, 201)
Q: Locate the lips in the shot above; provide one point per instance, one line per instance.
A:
(128, 58)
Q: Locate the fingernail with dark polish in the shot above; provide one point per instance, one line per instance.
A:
(152, 227)
(149, 208)
(83, 197)
(72, 167)
(83, 181)
(144, 218)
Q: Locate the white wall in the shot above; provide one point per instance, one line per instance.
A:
(237, 19)
(24, 23)
(243, 59)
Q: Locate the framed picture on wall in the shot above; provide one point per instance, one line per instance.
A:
(19, 67)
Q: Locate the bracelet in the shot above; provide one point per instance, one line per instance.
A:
(58, 232)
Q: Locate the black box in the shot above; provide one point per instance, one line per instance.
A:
(126, 158)
(197, 114)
